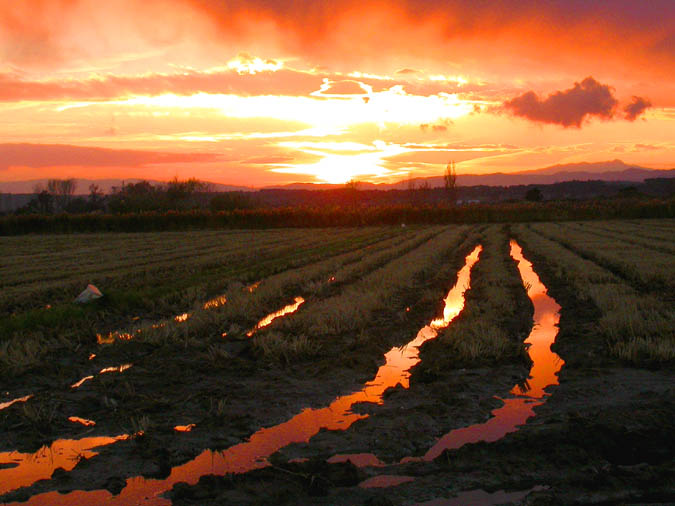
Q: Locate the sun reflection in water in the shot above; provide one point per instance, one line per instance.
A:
(4, 405)
(291, 308)
(83, 421)
(544, 371)
(253, 453)
(31, 467)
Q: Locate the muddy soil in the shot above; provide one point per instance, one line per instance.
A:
(228, 400)
(605, 435)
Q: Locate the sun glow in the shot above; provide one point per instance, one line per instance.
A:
(342, 162)
(392, 106)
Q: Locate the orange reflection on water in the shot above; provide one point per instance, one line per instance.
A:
(291, 308)
(253, 453)
(31, 467)
(114, 336)
(120, 368)
(81, 382)
(126, 336)
(543, 373)
(4, 405)
(216, 302)
(83, 421)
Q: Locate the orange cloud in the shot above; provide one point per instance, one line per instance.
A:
(569, 107)
(504, 37)
(59, 155)
(281, 82)
(636, 107)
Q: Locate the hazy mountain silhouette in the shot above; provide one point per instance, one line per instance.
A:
(614, 170)
(105, 185)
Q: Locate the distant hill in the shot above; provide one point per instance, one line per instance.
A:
(614, 170)
(105, 185)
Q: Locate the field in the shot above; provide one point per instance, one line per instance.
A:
(424, 364)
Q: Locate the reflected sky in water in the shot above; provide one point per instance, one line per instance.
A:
(253, 453)
(544, 371)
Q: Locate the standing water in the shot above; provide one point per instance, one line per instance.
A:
(544, 372)
(266, 441)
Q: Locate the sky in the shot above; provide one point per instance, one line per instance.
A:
(268, 92)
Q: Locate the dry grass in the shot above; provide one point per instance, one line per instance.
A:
(636, 326)
(641, 265)
(485, 331)
(283, 349)
(358, 304)
(243, 307)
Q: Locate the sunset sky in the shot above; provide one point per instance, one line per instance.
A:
(269, 92)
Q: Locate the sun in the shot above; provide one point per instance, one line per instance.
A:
(340, 164)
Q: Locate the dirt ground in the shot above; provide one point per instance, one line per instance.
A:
(605, 435)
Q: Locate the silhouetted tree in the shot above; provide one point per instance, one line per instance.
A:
(96, 200)
(534, 195)
(450, 180)
(134, 197)
(62, 190)
(180, 194)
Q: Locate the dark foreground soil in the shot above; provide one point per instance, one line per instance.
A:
(605, 435)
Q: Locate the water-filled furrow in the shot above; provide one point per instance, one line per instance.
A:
(105, 370)
(267, 320)
(5, 405)
(546, 364)
(23, 469)
(253, 453)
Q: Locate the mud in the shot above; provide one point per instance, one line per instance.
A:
(603, 436)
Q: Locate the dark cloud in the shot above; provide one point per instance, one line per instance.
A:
(64, 155)
(569, 107)
(636, 107)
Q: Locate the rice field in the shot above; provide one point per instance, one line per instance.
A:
(339, 365)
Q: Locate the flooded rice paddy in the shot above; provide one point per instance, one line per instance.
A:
(509, 431)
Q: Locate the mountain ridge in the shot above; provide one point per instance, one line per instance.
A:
(613, 170)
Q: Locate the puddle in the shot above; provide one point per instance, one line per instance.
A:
(253, 453)
(120, 368)
(105, 370)
(543, 373)
(5, 405)
(83, 421)
(181, 318)
(291, 308)
(31, 467)
(78, 384)
(385, 480)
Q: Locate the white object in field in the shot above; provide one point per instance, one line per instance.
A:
(88, 294)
